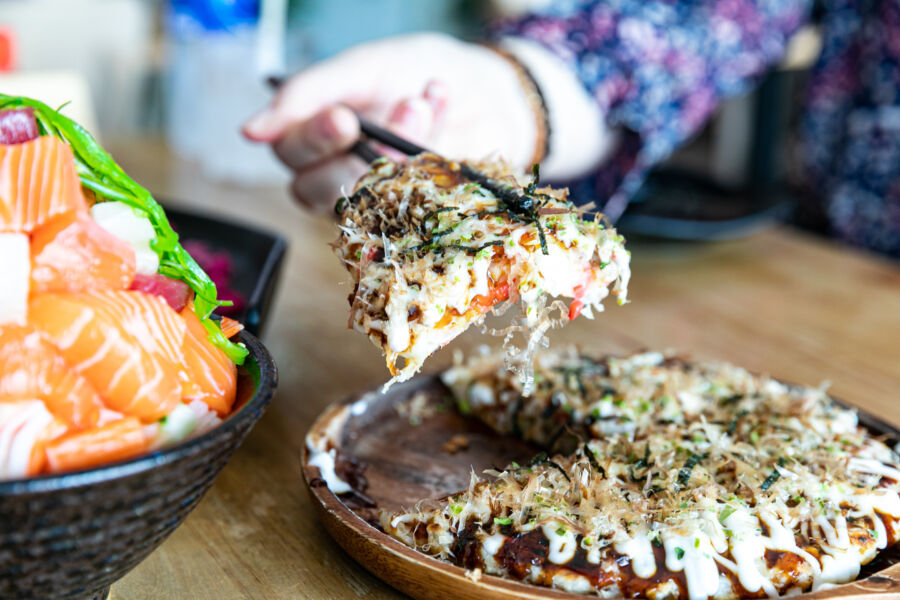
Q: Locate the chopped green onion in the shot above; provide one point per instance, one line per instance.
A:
(726, 512)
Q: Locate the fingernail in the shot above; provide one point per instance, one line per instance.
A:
(346, 125)
(336, 124)
(261, 127)
(436, 93)
(412, 115)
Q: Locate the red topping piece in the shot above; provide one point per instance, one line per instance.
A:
(17, 126)
(577, 303)
(176, 293)
(220, 268)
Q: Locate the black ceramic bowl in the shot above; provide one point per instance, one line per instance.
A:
(73, 535)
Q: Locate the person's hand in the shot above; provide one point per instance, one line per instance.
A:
(459, 99)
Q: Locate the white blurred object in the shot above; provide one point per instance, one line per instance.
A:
(55, 88)
(106, 43)
(216, 80)
(128, 225)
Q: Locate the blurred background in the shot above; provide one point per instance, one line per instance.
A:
(189, 71)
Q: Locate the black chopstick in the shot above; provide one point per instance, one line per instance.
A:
(520, 204)
(365, 151)
(361, 148)
(392, 140)
(389, 139)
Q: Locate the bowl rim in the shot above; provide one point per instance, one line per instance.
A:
(268, 381)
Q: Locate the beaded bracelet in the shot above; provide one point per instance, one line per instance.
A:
(536, 101)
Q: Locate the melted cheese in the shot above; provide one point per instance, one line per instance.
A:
(693, 554)
(640, 552)
(324, 460)
(321, 450)
(562, 541)
(492, 544)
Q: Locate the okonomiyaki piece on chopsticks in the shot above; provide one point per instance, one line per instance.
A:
(431, 252)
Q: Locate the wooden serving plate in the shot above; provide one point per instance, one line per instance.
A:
(405, 462)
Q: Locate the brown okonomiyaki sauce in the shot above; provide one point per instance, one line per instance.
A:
(633, 586)
(522, 552)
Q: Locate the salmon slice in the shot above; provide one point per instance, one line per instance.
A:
(32, 367)
(38, 182)
(146, 317)
(118, 341)
(114, 441)
(209, 374)
(73, 253)
(26, 426)
(230, 327)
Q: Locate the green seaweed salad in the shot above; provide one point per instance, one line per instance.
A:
(106, 179)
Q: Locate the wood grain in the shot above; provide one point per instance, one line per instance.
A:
(780, 302)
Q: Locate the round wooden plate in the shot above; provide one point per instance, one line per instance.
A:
(408, 456)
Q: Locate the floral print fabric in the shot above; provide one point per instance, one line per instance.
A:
(659, 68)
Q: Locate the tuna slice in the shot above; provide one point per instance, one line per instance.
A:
(17, 126)
(176, 293)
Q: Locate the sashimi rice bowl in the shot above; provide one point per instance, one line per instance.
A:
(111, 359)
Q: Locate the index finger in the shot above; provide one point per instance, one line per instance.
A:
(345, 79)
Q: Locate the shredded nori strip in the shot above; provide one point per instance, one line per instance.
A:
(432, 213)
(732, 427)
(644, 462)
(518, 207)
(573, 374)
(430, 245)
(654, 490)
(593, 460)
(773, 476)
(446, 230)
(731, 399)
(543, 239)
(472, 250)
(684, 475)
(541, 459)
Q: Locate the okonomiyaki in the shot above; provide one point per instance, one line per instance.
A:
(431, 252)
(686, 481)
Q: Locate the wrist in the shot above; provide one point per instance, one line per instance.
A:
(579, 138)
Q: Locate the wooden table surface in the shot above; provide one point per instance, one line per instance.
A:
(779, 302)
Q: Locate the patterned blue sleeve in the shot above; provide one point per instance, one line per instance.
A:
(658, 68)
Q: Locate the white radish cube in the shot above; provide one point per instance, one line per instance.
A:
(127, 224)
(15, 269)
(22, 424)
